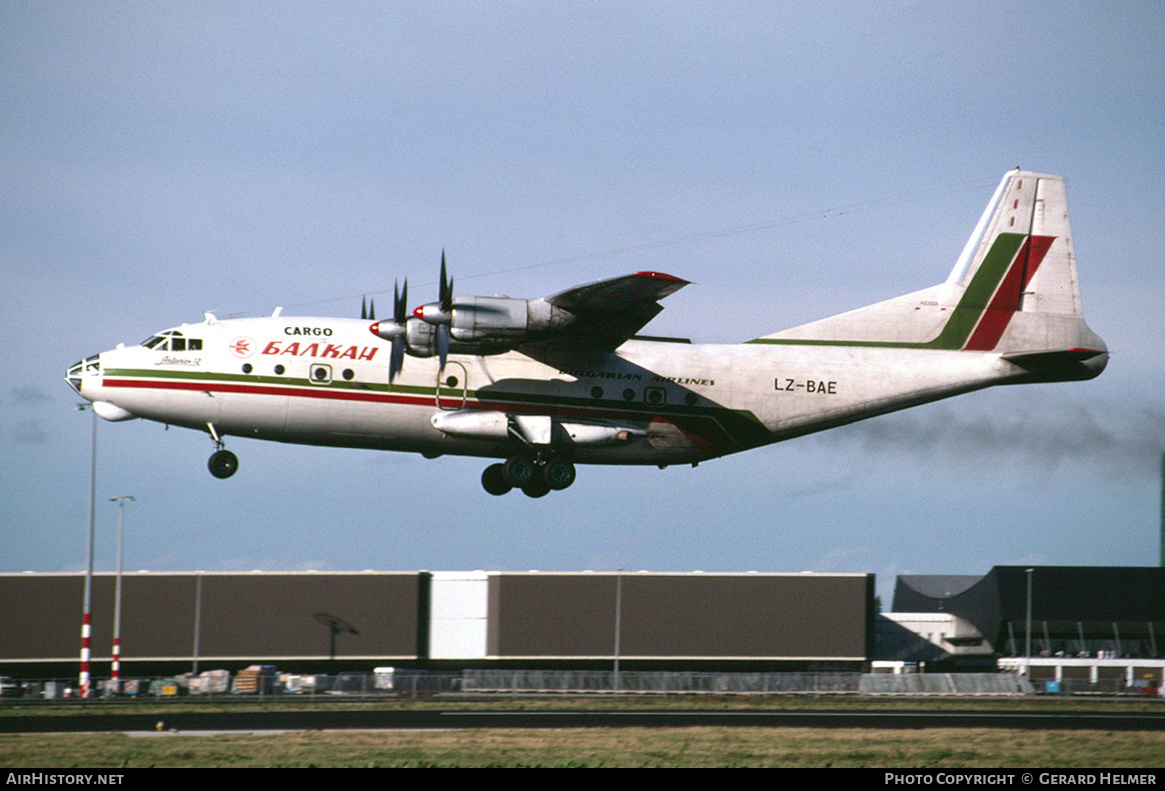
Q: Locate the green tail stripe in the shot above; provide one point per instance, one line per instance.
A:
(964, 316)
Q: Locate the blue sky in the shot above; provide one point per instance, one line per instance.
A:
(792, 160)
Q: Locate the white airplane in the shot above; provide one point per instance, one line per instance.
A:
(545, 384)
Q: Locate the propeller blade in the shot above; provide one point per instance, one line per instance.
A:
(400, 302)
(441, 311)
(397, 358)
(445, 295)
(363, 310)
(442, 344)
(372, 310)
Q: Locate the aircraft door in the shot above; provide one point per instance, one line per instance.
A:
(451, 386)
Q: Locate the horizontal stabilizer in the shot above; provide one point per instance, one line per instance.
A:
(1061, 364)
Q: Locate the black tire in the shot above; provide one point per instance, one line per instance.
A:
(559, 474)
(493, 480)
(519, 470)
(223, 464)
(537, 487)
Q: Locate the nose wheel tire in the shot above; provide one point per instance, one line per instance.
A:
(223, 464)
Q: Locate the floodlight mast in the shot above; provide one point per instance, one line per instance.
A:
(87, 607)
(115, 674)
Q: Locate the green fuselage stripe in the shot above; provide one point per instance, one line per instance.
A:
(739, 426)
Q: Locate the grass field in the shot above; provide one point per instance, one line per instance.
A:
(618, 747)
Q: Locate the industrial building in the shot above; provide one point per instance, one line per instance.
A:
(330, 621)
(1090, 627)
(1075, 625)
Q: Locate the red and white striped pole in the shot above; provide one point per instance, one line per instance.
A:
(85, 630)
(116, 674)
(86, 614)
(120, 500)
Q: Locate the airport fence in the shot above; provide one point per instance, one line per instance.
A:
(945, 684)
(420, 683)
(564, 681)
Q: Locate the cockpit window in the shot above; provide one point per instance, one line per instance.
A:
(173, 341)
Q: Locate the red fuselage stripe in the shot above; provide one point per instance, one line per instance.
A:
(711, 434)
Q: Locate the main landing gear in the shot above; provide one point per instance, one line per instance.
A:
(534, 476)
(222, 463)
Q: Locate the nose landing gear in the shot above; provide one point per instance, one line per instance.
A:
(534, 476)
(222, 463)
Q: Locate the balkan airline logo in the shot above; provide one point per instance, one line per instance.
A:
(335, 351)
(242, 347)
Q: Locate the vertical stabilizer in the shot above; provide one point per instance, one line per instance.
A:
(1013, 290)
(1020, 256)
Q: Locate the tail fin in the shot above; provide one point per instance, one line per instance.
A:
(1013, 290)
(1019, 260)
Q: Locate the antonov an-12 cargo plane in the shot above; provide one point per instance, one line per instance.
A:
(546, 384)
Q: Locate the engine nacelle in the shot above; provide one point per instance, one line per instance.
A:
(486, 325)
(490, 318)
(420, 338)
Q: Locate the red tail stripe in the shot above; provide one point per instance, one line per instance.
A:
(1006, 300)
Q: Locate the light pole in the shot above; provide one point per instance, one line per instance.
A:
(116, 674)
(1028, 650)
(197, 618)
(618, 624)
(86, 612)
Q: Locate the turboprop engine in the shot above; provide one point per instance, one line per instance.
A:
(484, 325)
(475, 325)
(467, 325)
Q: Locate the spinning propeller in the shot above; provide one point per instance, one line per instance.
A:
(440, 314)
(395, 330)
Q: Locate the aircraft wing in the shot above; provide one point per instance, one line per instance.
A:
(611, 311)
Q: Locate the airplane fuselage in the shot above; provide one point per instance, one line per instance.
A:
(324, 381)
(561, 380)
